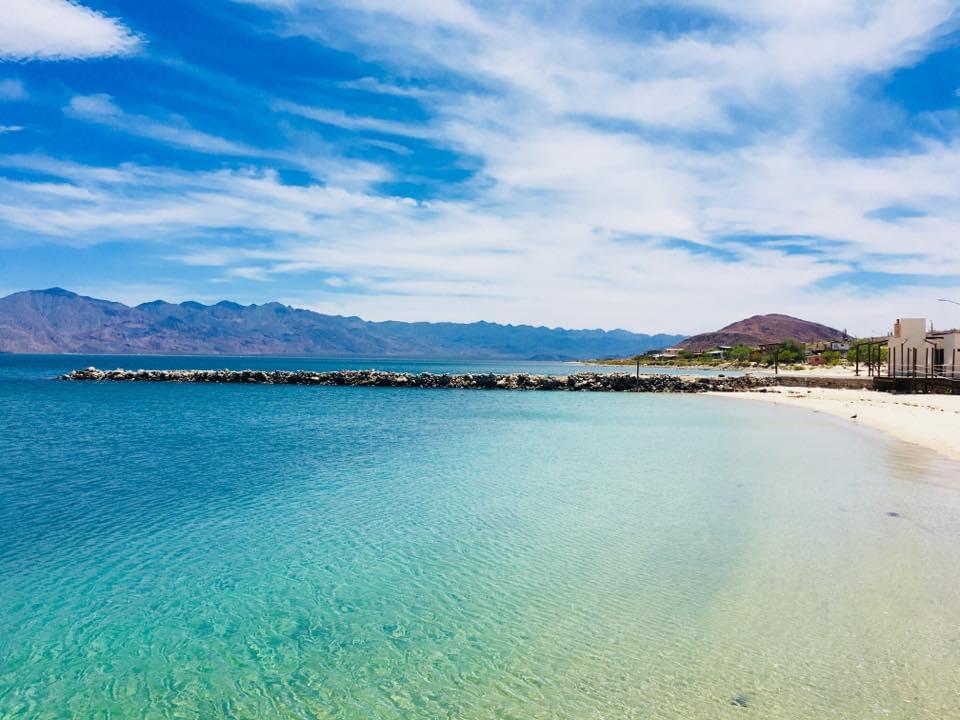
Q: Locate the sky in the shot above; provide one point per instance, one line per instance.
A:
(654, 166)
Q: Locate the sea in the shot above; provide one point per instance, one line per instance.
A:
(244, 551)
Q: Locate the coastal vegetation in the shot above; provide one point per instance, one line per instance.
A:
(789, 353)
(864, 349)
(762, 341)
(760, 330)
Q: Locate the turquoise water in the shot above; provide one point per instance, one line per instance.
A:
(185, 551)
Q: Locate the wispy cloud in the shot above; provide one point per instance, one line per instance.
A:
(309, 153)
(378, 87)
(60, 30)
(448, 13)
(447, 260)
(341, 119)
(100, 108)
(12, 89)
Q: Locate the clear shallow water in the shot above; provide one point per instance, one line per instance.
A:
(301, 552)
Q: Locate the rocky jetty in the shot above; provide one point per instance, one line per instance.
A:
(577, 382)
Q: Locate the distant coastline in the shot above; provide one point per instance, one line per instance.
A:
(58, 321)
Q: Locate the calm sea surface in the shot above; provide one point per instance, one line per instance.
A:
(203, 551)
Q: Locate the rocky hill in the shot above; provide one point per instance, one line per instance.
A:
(761, 329)
(59, 321)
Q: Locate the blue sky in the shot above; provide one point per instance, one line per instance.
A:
(658, 166)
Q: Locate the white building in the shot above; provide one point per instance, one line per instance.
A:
(669, 354)
(915, 350)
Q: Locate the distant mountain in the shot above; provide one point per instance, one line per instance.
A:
(59, 321)
(761, 329)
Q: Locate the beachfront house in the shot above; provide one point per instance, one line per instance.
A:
(669, 353)
(914, 350)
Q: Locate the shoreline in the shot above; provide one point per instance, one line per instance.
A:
(929, 421)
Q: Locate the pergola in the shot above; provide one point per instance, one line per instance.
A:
(874, 348)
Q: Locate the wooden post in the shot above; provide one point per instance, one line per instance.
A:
(858, 361)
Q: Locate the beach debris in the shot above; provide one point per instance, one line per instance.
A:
(892, 513)
(740, 700)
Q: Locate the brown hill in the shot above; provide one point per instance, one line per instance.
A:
(761, 329)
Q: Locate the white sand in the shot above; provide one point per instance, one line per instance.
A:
(821, 371)
(932, 421)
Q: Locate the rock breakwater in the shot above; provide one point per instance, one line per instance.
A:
(577, 382)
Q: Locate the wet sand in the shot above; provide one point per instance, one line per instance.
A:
(931, 421)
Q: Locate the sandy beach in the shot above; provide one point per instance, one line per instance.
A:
(840, 371)
(931, 421)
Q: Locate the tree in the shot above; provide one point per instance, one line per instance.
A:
(864, 349)
(792, 351)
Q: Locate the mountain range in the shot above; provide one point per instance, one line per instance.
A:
(60, 321)
(761, 329)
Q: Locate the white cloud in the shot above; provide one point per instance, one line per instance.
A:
(100, 108)
(454, 260)
(449, 13)
(341, 119)
(60, 30)
(12, 89)
(10, 128)
(316, 158)
(372, 85)
(558, 63)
